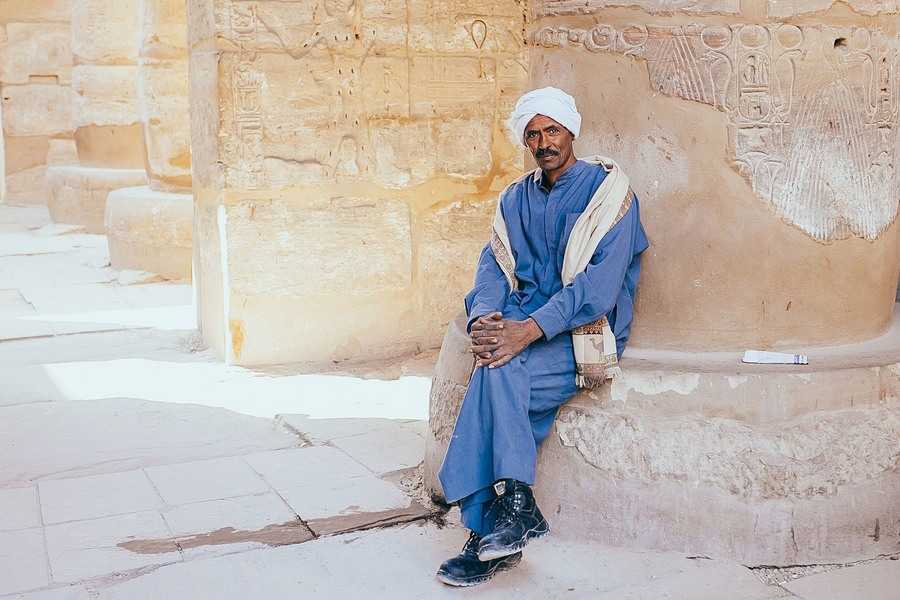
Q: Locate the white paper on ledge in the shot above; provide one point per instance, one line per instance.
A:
(774, 358)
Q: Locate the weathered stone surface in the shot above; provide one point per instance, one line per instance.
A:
(36, 11)
(105, 95)
(150, 231)
(37, 109)
(548, 8)
(790, 8)
(385, 102)
(78, 194)
(163, 93)
(350, 255)
(105, 31)
(452, 240)
(36, 51)
(744, 139)
(791, 464)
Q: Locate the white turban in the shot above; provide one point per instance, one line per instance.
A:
(549, 101)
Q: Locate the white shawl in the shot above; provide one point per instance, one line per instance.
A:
(594, 343)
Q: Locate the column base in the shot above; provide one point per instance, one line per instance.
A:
(78, 194)
(150, 231)
(699, 453)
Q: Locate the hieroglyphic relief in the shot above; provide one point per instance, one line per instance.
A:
(819, 143)
(546, 8)
(333, 78)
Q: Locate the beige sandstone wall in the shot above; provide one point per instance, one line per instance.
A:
(105, 44)
(163, 93)
(763, 140)
(347, 156)
(35, 83)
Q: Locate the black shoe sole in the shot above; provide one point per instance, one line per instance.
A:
(503, 565)
(534, 533)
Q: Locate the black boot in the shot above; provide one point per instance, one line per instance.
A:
(466, 570)
(519, 520)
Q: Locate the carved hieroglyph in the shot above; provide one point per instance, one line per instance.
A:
(573, 7)
(812, 112)
(364, 73)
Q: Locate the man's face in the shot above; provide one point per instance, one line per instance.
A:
(549, 142)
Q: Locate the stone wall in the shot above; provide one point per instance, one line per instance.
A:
(36, 88)
(762, 139)
(347, 157)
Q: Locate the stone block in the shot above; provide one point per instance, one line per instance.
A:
(28, 186)
(97, 496)
(327, 256)
(206, 480)
(36, 11)
(78, 194)
(873, 581)
(19, 508)
(163, 29)
(799, 479)
(105, 95)
(37, 109)
(36, 50)
(817, 223)
(86, 549)
(164, 111)
(343, 487)
(369, 101)
(23, 561)
(105, 31)
(452, 240)
(62, 151)
(150, 231)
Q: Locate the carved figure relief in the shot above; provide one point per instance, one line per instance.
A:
(819, 144)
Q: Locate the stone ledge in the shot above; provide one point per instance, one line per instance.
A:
(150, 231)
(78, 194)
(704, 454)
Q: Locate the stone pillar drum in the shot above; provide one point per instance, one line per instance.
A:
(347, 157)
(108, 135)
(36, 77)
(762, 140)
(150, 227)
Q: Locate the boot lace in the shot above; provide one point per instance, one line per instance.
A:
(471, 545)
(508, 508)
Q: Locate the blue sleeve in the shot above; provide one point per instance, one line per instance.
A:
(594, 291)
(490, 290)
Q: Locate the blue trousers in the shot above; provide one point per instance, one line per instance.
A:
(506, 413)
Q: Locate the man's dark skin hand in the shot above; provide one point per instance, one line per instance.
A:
(496, 341)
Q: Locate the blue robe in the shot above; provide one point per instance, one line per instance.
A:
(508, 411)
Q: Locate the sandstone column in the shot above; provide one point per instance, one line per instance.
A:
(108, 134)
(762, 138)
(35, 80)
(149, 227)
(347, 156)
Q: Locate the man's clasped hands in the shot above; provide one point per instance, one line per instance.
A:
(496, 341)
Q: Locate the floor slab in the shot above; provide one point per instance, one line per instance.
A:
(19, 508)
(86, 549)
(23, 561)
(97, 496)
(206, 480)
(120, 434)
(320, 482)
(400, 563)
(872, 581)
(385, 450)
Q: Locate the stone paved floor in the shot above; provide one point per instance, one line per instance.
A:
(133, 465)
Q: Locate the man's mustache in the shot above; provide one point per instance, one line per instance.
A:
(542, 152)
